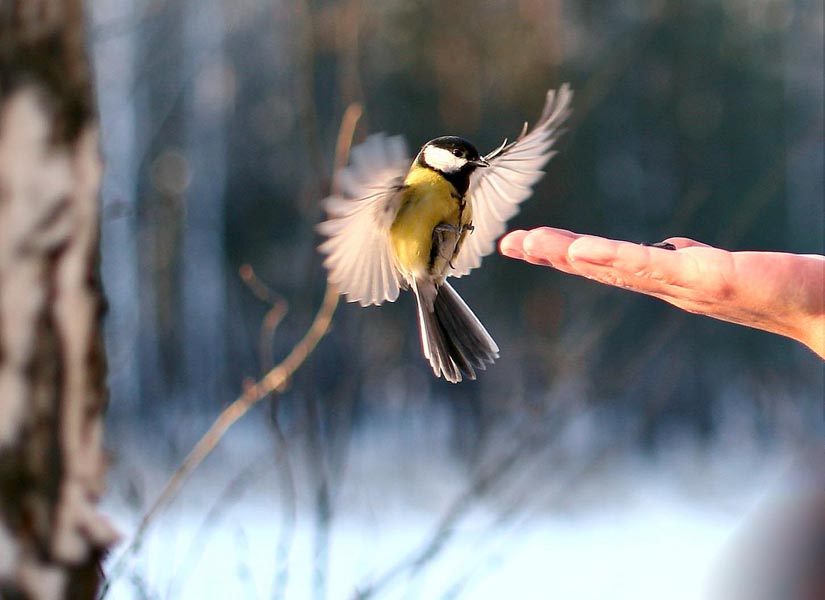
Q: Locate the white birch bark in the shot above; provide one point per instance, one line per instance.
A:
(52, 368)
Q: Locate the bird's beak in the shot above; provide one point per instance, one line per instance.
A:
(481, 162)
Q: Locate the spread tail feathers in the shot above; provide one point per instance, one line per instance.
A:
(453, 339)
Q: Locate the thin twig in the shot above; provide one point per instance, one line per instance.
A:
(445, 529)
(323, 506)
(344, 142)
(230, 495)
(289, 504)
(266, 337)
(258, 288)
(273, 317)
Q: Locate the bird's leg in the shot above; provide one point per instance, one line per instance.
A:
(441, 232)
(465, 229)
(439, 237)
(445, 240)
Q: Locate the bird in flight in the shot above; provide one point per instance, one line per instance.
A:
(396, 224)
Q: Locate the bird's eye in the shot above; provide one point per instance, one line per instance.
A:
(456, 152)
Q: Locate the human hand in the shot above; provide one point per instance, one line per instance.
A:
(774, 291)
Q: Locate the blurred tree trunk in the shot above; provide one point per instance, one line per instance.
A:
(52, 366)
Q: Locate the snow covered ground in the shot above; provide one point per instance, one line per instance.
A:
(664, 547)
(635, 529)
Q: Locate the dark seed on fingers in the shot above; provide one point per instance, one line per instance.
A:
(662, 245)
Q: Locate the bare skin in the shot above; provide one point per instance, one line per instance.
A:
(774, 291)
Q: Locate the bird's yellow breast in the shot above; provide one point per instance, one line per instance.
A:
(428, 200)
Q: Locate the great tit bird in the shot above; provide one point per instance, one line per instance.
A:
(393, 226)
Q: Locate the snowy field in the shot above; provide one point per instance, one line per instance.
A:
(635, 529)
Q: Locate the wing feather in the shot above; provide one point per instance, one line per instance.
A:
(358, 253)
(496, 192)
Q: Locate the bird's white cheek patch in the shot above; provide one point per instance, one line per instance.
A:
(443, 160)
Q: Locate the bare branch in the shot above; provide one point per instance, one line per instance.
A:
(275, 380)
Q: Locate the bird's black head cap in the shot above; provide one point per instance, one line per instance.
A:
(453, 157)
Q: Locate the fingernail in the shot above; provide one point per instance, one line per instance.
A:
(512, 253)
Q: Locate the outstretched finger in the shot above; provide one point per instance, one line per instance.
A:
(626, 261)
(548, 246)
(545, 246)
(511, 245)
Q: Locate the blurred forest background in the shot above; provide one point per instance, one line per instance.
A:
(220, 119)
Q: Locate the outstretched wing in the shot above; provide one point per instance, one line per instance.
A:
(496, 192)
(359, 258)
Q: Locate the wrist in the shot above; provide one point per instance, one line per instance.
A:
(813, 335)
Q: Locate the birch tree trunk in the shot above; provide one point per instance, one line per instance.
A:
(52, 366)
